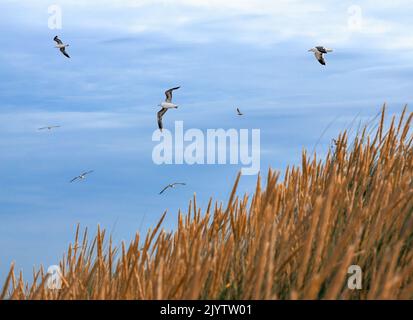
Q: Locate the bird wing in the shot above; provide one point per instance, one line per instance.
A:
(58, 41)
(160, 115)
(320, 58)
(179, 183)
(86, 173)
(239, 112)
(74, 179)
(42, 128)
(63, 50)
(164, 189)
(168, 94)
(321, 49)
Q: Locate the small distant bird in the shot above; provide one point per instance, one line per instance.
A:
(166, 105)
(60, 45)
(334, 144)
(49, 128)
(77, 246)
(82, 176)
(319, 52)
(239, 112)
(172, 185)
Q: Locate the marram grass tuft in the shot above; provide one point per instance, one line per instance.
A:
(294, 239)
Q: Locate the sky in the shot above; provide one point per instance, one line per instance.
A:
(124, 54)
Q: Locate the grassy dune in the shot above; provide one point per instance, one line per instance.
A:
(294, 239)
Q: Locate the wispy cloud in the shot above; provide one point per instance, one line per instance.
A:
(271, 21)
(71, 121)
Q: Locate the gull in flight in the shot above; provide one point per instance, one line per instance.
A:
(82, 176)
(166, 105)
(172, 185)
(239, 112)
(60, 45)
(319, 52)
(48, 128)
(76, 246)
(334, 143)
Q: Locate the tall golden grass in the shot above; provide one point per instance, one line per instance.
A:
(294, 239)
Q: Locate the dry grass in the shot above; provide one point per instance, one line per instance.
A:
(295, 239)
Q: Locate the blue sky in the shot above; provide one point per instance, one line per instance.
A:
(125, 54)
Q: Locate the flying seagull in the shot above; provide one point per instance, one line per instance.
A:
(48, 128)
(319, 52)
(60, 45)
(76, 246)
(239, 112)
(172, 185)
(82, 176)
(166, 105)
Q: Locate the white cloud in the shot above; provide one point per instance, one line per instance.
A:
(253, 21)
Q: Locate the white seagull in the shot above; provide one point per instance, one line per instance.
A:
(81, 176)
(172, 185)
(60, 45)
(49, 128)
(166, 105)
(239, 112)
(319, 52)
